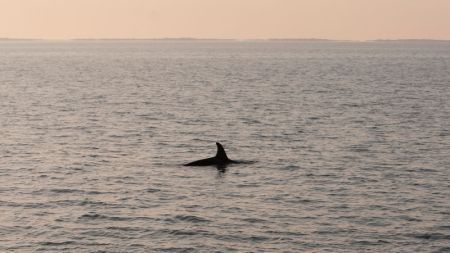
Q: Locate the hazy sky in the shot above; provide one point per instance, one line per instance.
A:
(241, 19)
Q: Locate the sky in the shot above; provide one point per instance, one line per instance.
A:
(226, 19)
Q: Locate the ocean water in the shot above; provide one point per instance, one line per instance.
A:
(351, 143)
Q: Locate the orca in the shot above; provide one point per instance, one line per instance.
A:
(220, 160)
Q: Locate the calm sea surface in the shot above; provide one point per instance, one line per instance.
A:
(351, 143)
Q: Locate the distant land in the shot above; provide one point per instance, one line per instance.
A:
(301, 40)
(187, 39)
(156, 39)
(408, 40)
(16, 39)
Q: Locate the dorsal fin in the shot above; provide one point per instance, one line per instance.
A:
(221, 152)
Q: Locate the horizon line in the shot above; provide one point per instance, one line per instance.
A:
(223, 39)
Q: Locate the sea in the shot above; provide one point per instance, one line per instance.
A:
(347, 146)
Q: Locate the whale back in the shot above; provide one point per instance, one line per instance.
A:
(221, 155)
(221, 159)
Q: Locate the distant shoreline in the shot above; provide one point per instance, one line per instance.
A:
(227, 40)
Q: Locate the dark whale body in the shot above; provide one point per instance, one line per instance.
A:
(221, 159)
